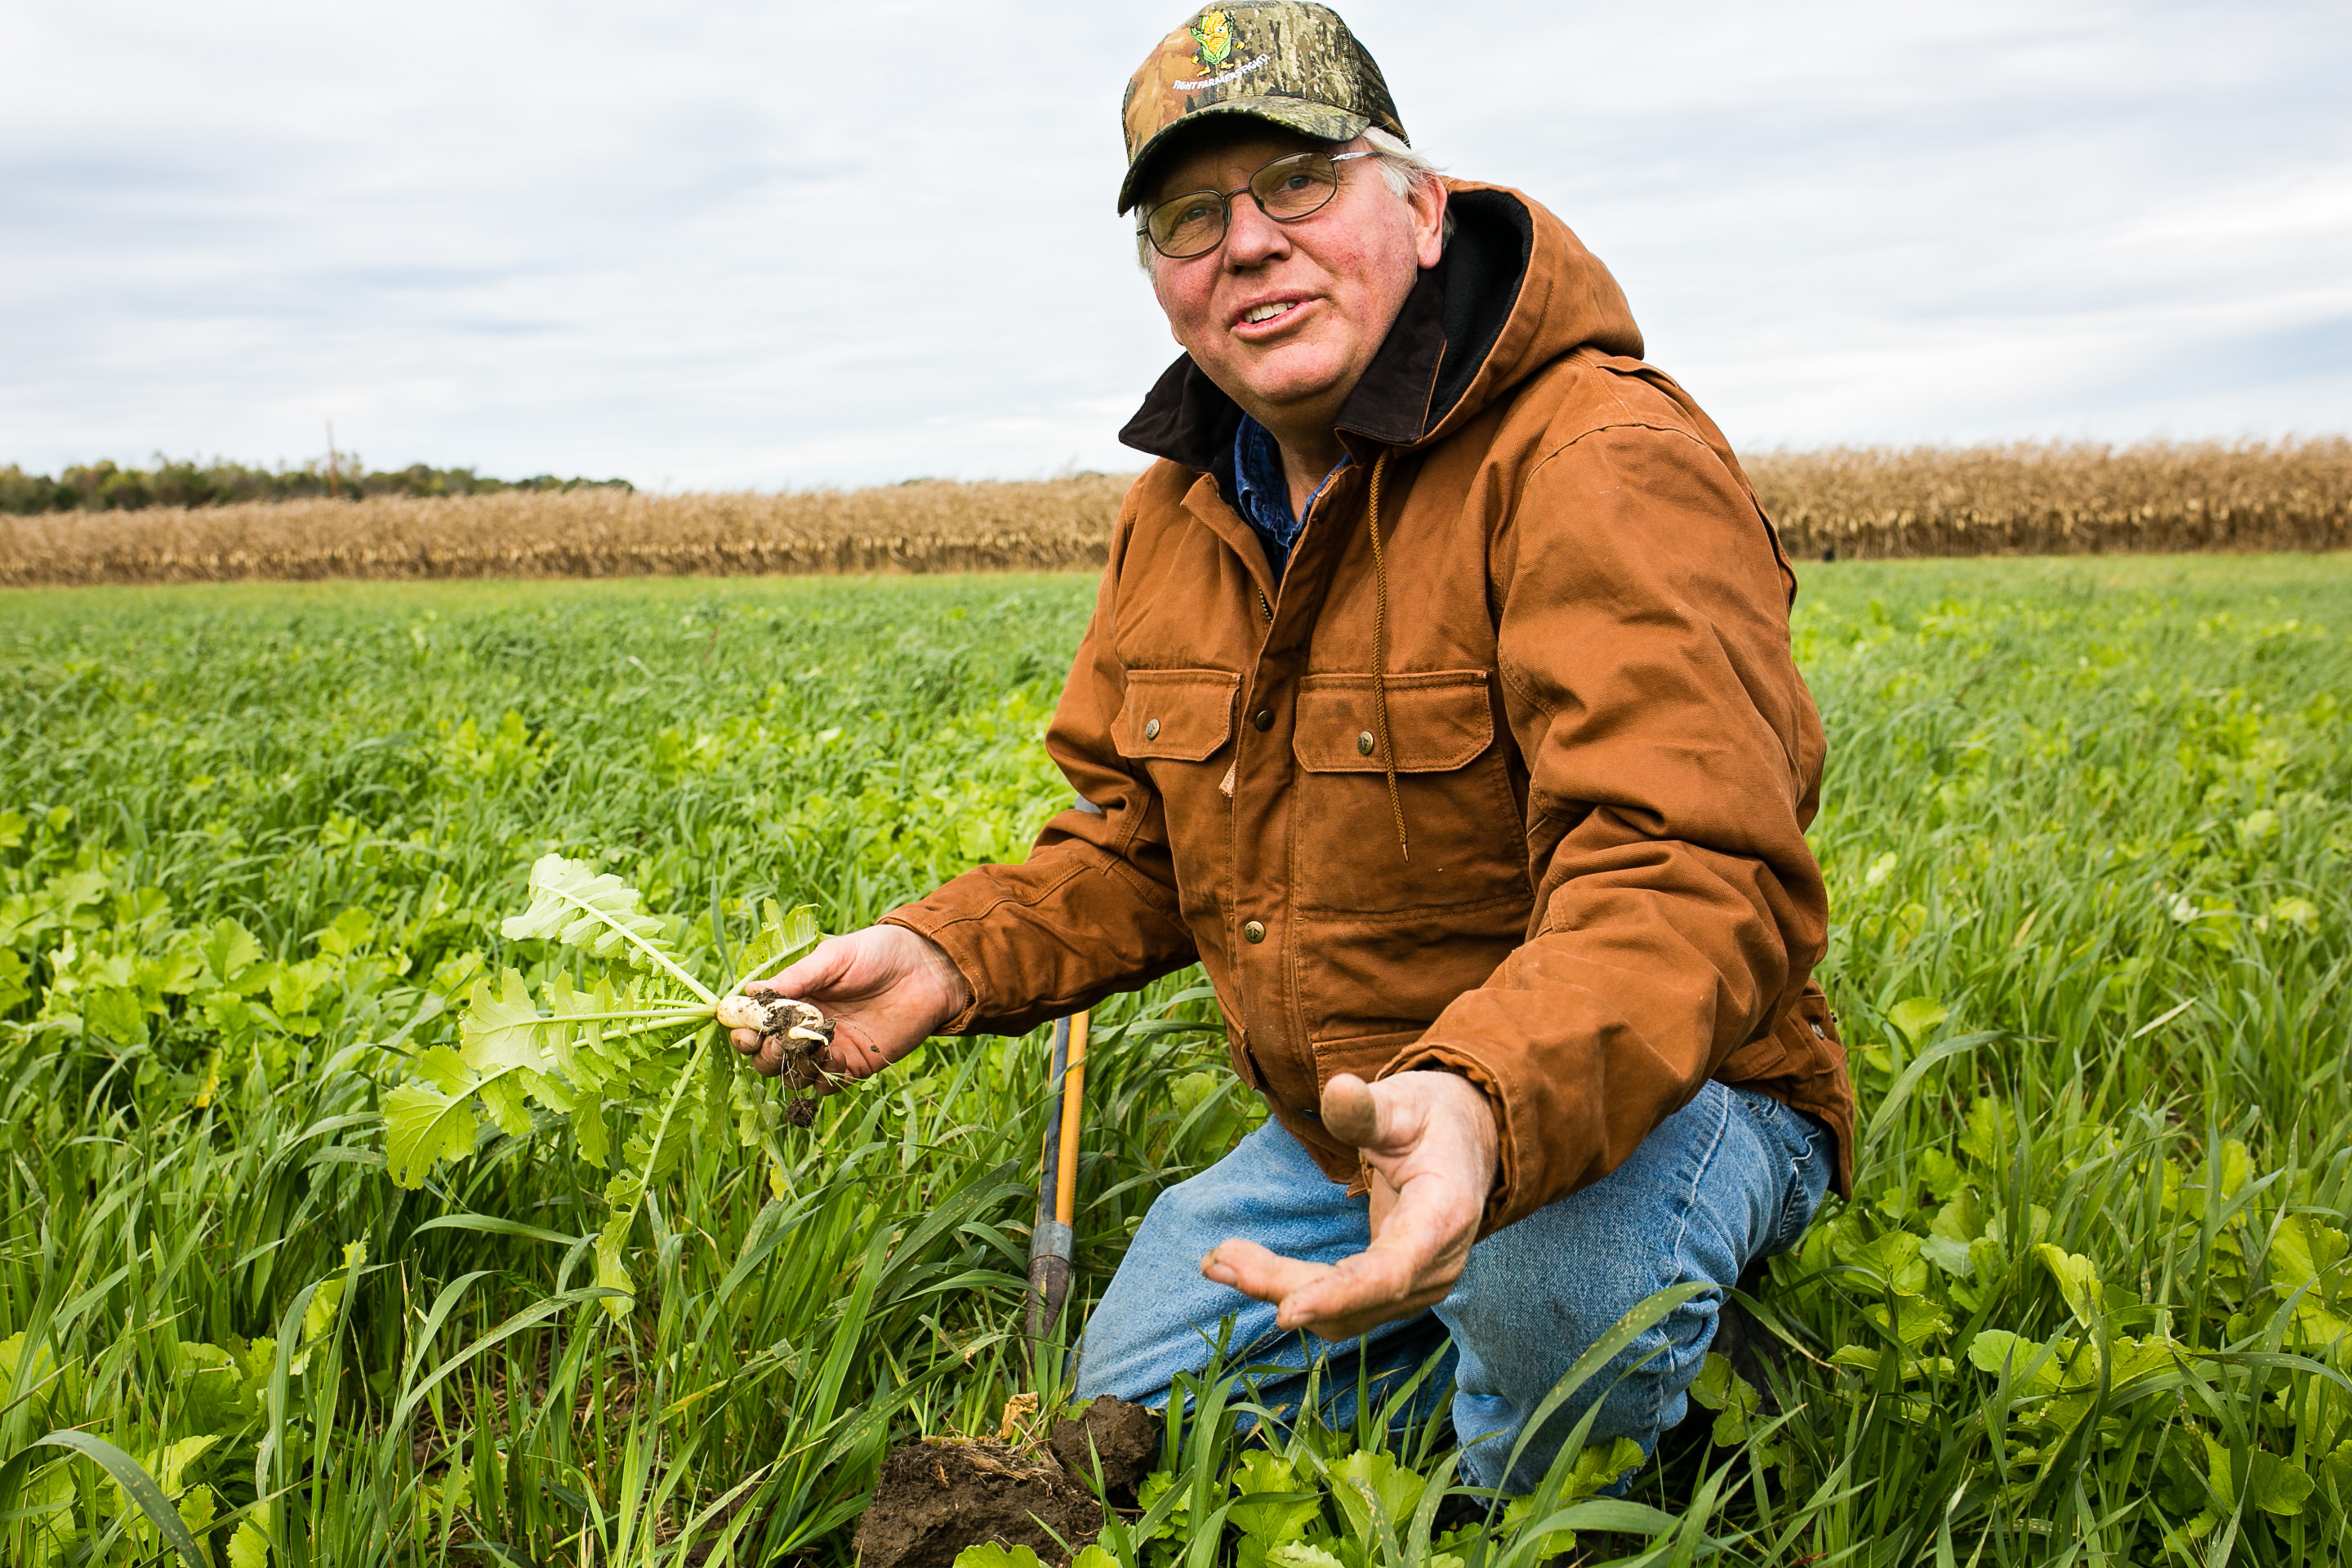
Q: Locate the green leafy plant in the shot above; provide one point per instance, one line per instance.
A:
(624, 1023)
(991, 1555)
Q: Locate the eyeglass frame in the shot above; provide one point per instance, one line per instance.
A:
(1247, 188)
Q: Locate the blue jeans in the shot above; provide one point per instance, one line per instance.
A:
(1732, 1177)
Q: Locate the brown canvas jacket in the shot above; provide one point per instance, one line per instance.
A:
(1605, 758)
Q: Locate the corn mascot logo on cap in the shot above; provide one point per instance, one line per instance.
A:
(1215, 35)
(1294, 65)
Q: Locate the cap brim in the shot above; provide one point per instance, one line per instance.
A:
(1316, 120)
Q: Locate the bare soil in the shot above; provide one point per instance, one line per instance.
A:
(1124, 1439)
(938, 1497)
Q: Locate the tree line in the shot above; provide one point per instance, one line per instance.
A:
(110, 486)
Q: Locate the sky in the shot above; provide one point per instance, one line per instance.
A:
(712, 245)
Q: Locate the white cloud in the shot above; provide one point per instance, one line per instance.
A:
(747, 244)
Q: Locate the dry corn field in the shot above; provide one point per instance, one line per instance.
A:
(1873, 503)
(1859, 503)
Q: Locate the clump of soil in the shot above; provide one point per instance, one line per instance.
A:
(1124, 1437)
(938, 1498)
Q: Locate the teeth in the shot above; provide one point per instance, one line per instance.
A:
(1268, 313)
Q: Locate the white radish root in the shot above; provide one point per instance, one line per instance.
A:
(741, 1012)
(801, 1032)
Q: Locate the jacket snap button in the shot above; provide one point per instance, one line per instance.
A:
(1364, 742)
(1263, 719)
(1253, 932)
(1152, 728)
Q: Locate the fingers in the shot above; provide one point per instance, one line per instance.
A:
(849, 1056)
(1258, 1272)
(1351, 1113)
(1376, 1286)
(1387, 1117)
(1334, 1301)
(852, 1054)
(814, 976)
(767, 1055)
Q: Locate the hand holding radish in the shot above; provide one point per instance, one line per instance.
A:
(1429, 1140)
(885, 988)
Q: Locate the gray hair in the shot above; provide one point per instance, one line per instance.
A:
(1402, 170)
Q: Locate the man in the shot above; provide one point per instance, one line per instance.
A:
(1438, 700)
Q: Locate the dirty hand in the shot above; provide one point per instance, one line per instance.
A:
(887, 989)
(1429, 1140)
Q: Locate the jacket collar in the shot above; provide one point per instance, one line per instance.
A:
(1446, 330)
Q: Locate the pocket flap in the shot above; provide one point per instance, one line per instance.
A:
(1438, 719)
(1183, 715)
(1364, 1055)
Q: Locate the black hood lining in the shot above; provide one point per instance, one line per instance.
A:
(1186, 419)
(1493, 240)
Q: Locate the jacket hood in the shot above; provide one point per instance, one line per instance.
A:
(1515, 292)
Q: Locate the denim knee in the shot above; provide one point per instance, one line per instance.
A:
(1513, 1350)
(1713, 1188)
(1160, 1317)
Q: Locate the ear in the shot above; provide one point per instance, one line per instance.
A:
(1427, 200)
(1151, 269)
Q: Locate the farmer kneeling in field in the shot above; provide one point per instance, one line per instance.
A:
(1439, 701)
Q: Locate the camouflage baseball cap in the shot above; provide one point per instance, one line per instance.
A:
(1293, 64)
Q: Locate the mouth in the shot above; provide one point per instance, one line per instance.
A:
(1269, 313)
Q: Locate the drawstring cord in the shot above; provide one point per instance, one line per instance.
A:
(1380, 658)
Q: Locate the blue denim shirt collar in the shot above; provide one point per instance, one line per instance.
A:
(1263, 492)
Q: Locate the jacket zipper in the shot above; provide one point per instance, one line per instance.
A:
(1234, 770)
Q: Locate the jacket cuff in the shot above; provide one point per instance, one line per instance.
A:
(940, 931)
(1505, 1202)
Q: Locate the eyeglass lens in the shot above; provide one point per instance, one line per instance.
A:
(1287, 189)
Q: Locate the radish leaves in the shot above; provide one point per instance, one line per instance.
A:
(626, 1031)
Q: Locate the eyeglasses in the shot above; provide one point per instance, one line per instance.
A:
(1285, 190)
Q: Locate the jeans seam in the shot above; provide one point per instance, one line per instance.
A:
(1698, 1175)
(1799, 1218)
(1774, 1119)
(1796, 1216)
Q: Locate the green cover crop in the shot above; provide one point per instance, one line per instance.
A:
(2087, 832)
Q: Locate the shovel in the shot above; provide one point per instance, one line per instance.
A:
(1057, 1185)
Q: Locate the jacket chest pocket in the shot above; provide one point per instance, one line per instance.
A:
(1179, 725)
(1453, 793)
(1176, 715)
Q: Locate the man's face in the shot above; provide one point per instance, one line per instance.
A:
(1284, 317)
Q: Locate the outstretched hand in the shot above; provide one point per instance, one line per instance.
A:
(1430, 1142)
(885, 987)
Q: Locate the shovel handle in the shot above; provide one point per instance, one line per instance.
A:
(1050, 1236)
(1074, 1087)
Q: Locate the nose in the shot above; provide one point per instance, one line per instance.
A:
(1252, 239)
